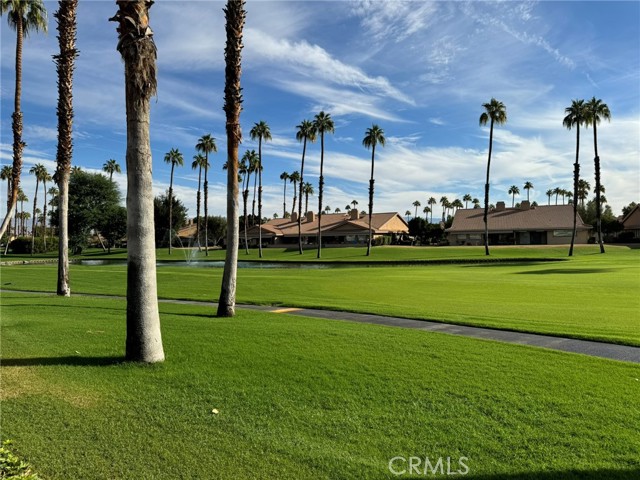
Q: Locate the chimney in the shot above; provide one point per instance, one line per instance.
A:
(525, 205)
(353, 214)
(500, 206)
(310, 216)
(294, 217)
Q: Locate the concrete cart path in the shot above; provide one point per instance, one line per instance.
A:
(611, 351)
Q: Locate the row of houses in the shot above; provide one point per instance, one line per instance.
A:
(524, 225)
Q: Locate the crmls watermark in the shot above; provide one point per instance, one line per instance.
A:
(426, 466)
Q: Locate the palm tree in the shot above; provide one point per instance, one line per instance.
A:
(476, 202)
(337, 210)
(426, 211)
(284, 176)
(576, 115)
(444, 201)
(65, 65)
(597, 110)
(22, 197)
(235, 18)
(528, 186)
(372, 136)
(295, 178)
(583, 190)
(135, 44)
(261, 132)
(563, 193)
(199, 162)
(39, 171)
(5, 174)
(513, 191)
(305, 131)
(557, 191)
(45, 178)
(549, 193)
(466, 198)
(322, 123)
(495, 113)
(249, 162)
(24, 16)
(327, 209)
(457, 203)
(206, 144)
(569, 196)
(416, 204)
(254, 169)
(407, 214)
(111, 166)
(307, 190)
(173, 157)
(432, 201)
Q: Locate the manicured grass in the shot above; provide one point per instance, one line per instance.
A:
(590, 296)
(300, 398)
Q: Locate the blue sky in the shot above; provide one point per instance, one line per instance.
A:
(420, 70)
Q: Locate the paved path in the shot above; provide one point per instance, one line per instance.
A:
(611, 351)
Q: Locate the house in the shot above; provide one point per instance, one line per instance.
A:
(337, 228)
(631, 224)
(525, 225)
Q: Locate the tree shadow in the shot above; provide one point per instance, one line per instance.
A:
(573, 474)
(567, 271)
(74, 361)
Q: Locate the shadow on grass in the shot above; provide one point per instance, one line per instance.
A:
(576, 474)
(550, 271)
(75, 361)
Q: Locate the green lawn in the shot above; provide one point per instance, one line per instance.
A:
(589, 296)
(300, 398)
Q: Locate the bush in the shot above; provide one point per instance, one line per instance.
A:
(22, 245)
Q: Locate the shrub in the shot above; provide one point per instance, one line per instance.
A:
(22, 245)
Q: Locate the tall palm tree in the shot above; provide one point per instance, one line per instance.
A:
(466, 198)
(5, 174)
(284, 176)
(476, 202)
(495, 113)
(528, 186)
(337, 210)
(172, 157)
(307, 190)
(444, 201)
(24, 16)
(416, 204)
(295, 178)
(207, 144)
(111, 166)
(135, 44)
(354, 203)
(327, 209)
(569, 196)
(432, 201)
(22, 197)
(549, 193)
(261, 132)
(597, 110)
(39, 171)
(45, 178)
(513, 191)
(199, 162)
(583, 190)
(235, 18)
(576, 115)
(372, 137)
(306, 131)
(323, 123)
(457, 203)
(254, 169)
(557, 191)
(426, 211)
(65, 65)
(407, 214)
(250, 162)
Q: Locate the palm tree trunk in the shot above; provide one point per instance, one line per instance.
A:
(245, 198)
(371, 182)
(596, 162)
(171, 206)
(33, 219)
(206, 206)
(284, 200)
(44, 217)
(253, 203)
(198, 210)
(260, 197)
(16, 126)
(320, 190)
(235, 18)
(144, 339)
(576, 178)
(304, 150)
(486, 194)
(63, 286)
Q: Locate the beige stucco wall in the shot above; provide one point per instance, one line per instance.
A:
(582, 236)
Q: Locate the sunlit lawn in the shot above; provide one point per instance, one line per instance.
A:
(300, 399)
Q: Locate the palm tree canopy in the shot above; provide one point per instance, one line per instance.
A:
(467, 197)
(495, 111)
(294, 177)
(32, 13)
(372, 136)
(323, 123)
(432, 201)
(306, 130)
(444, 200)
(576, 114)
(596, 110)
(528, 185)
(307, 189)
(199, 161)
(206, 144)
(416, 203)
(260, 130)
(174, 157)
(39, 171)
(514, 190)
(284, 176)
(111, 166)
(6, 172)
